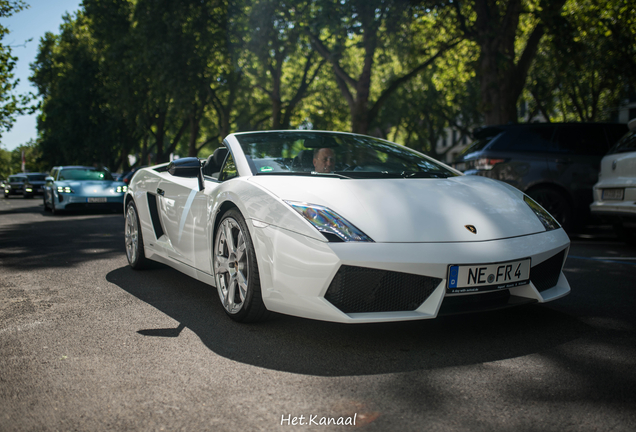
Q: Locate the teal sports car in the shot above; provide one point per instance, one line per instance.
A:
(82, 187)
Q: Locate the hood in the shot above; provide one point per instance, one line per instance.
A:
(416, 210)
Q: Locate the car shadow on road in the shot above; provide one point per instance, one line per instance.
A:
(58, 242)
(303, 346)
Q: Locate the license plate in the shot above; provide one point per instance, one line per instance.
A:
(612, 194)
(96, 200)
(488, 277)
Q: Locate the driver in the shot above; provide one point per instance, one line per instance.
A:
(324, 160)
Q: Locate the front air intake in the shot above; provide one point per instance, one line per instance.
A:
(359, 289)
(546, 275)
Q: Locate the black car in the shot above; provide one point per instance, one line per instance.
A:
(557, 164)
(14, 185)
(34, 184)
(127, 177)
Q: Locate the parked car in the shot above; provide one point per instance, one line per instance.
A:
(343, 227)
(82, 187)
(615, 192)
(34, 184)
(556, 164)
(129, 175)
(14, 185)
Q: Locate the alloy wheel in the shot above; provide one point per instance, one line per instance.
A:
(231, 265)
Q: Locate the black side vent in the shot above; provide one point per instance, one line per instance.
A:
(154, 214)
(359, 289)
(546, 275)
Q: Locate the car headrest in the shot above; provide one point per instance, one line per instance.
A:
(304, 161)
(219, 156)
(215, 160)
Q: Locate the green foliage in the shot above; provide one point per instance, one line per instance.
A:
(11, 104)
(587, 65)
(11, 161)
(75, 125)
(158, 77)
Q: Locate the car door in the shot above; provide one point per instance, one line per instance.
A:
(575, 162)
(184, 214)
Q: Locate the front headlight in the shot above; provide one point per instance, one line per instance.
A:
(121, 189)
(65, 189)
(333, 226)
(546, 218)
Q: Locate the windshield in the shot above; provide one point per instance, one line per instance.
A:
(626, 144)
(476, 146)
(334, 154)
(36, 177)
(84, 174)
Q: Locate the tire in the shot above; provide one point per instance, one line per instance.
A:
(236, 270)
(46, 206)
(134, 241)
(556, 203)
(625, 234)
(54, 210)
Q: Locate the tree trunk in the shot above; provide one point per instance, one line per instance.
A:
(501, 79)
(194, 135)
(159, 137)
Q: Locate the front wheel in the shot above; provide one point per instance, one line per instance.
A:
(555, 203)
(133, 238)
(236, 270)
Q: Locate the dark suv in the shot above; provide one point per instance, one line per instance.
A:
(14, 185)
(555, 163)
(34, 184)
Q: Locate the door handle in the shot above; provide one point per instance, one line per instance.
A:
(160, 192)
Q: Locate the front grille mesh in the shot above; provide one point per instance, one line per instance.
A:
(546, 275)
(359, 289)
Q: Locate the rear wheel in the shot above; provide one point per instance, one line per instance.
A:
(133, 238)
(556, 203)
(236, 271)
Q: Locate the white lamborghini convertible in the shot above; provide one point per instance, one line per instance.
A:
(343, 227)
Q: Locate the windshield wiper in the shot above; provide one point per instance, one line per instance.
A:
(424, 174)
(304, 174)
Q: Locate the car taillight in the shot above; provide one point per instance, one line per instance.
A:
(487, 163)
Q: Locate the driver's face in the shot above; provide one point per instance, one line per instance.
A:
(324, 161)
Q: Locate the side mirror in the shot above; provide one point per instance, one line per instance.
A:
(189, 167)
(49, 179)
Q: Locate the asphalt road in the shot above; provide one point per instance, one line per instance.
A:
(88, 344)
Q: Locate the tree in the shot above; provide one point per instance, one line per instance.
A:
(359, 37)
(506, 48)
(11, 105)
(76, 125)
(285, 66)
(11, 161)
(587, 65)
